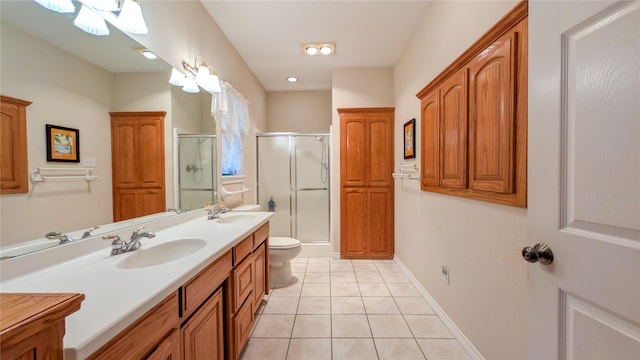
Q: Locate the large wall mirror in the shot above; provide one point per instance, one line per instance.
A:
(74, 80)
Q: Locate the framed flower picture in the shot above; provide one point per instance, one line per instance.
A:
(410, 139)
(63, 144)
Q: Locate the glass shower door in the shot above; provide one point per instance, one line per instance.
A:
(197, 170)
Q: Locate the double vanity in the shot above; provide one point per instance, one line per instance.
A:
(188, 292)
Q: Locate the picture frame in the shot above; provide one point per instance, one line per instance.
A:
(410, 139)
(63, 143)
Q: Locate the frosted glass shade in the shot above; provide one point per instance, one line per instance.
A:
(131, 18)
(91, 22)
(190, 86)
(203, 76)
(213, 84)
(61, 6)
(177, 79)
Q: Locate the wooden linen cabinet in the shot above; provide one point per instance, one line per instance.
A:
(366, 184)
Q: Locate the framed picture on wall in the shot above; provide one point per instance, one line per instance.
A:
(410, 139)
(63, 144)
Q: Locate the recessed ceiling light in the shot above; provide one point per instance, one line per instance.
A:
(292, 79)
(311, 50)
(324, 48)
(147, 53)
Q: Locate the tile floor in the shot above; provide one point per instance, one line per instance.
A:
(348, 309)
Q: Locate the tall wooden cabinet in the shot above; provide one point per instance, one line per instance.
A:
(474, 119)
(137, 149)
(366, 184)
(13, 145)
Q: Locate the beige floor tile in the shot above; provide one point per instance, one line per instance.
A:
(398, 349)
(281, 305)
(384, 262)
(312, 326)
(369, 276)
(319, 260)
(350, 326)
(380, 305)
(364, 265)
(413, 305)
(343, 277)
(374, 289)
(297, 260)
(311, 289)
(274, 326)
(314, 305)
(389, 326)
(354, 349)
(388, 267)
(427, 326)
(287, 290)
(309, 349)
(347, 305)
(403, 290)
(321, 277)
(298, 267)
(318, 267)
(395, 277)
(266, 349)
(442, 349)
(345, 289)
(340, 265)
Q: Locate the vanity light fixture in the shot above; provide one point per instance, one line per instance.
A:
(313, 49)
(190, 86)
(131, 18)
(198, 74)
(61, 6)
(177, 78)
(89, 21)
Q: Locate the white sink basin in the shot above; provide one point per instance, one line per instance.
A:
(232, 219)
(161, 254)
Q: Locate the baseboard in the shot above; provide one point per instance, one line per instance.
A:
(459, 335)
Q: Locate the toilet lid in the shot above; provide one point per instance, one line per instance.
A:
(283, 243)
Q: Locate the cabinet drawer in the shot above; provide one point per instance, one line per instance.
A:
(242, 282)
(242, 324)
(198, 289)
(244, 248)
(141, 337)
(260, 235)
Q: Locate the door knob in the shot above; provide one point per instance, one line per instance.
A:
(538, 253)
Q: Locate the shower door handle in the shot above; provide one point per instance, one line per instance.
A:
(307, 189)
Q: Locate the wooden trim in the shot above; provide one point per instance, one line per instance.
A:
(366, 110)
(126, 114)
(511, 19)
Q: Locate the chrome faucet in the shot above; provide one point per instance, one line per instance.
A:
(54, 235)
(87, 233)
(215, 212)
(177, 211)
(118, 246)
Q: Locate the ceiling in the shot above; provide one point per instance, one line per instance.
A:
(269, 36)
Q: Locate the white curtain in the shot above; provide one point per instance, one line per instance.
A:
(235, 122)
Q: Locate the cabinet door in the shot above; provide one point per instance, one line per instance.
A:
(353, 157)
(13, 146)
(259, 267)
(169, 348)
(380, 242)
(492, 117)
(453, 131)
(380, 149)
(354, 226)
(124, 204)
(242, 282)
(242, 325)
(123, 151)
(150, 201)
(150, 152)
(203, 334)
(430, 140)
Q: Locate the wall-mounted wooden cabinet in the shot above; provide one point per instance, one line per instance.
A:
(137, 149)
(13, 146)
(474, 119)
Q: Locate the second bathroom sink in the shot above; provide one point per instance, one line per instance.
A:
(161, 254)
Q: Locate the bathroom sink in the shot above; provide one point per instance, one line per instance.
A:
(161, 254)
(232, 219)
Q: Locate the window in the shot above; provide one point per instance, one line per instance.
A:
(234, 125)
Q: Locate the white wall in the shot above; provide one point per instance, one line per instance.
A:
(479, 242)
(353, 88)
(299, 111)
(69, 92)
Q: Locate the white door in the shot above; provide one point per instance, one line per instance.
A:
(584, 179)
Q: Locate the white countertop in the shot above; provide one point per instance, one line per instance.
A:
(116, 297)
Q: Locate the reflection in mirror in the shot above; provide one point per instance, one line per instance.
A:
(196, 169)
(75, 79)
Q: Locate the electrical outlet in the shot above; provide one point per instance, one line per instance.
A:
(89, 162)
(445, 274)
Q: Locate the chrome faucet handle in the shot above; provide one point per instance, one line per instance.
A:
(136, 231)
(87, 232)
(177, 211)
(117, 245)
(54, 235)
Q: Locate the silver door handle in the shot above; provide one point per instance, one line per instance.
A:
(538, 253)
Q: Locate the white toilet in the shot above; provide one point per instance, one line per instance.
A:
(281, 251)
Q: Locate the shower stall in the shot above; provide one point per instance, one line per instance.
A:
(293, 182)
(196, 170)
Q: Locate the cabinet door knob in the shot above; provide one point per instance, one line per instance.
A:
(538, 253)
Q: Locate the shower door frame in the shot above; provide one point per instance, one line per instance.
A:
(214, 176)
(290, 135)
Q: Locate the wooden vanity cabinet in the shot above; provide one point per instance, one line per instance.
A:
(33, 325)
(168, 349)
(474, 119)
(203, 334)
